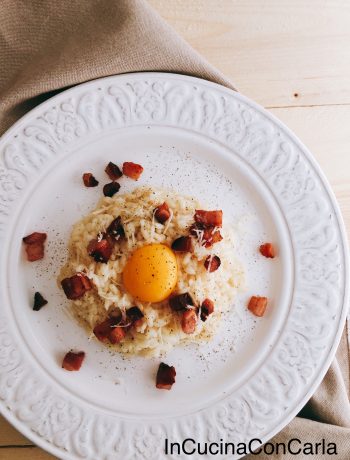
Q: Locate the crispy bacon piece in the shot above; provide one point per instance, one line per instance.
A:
(113, 171)
(165, 376)
(117, 334)
(189, 321)
(73, 361)
(208, 218)
(35, 238)
(207, 308)
(34, 245)
(267, 250)
(89, 180)
(102, 331)
(111, 189)
(257, 305)
(211, 236)
(100, 249)
(108, 331)
(76, 286)
(132, 170)
(116, 229)
(135, 316)
(39, 301)
(115, 315)
(207, 236)
(212, 263)
(181, 302)
(182, 244)
(162, 213)
(35, 252)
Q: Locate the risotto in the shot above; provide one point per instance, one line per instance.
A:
(201, 271)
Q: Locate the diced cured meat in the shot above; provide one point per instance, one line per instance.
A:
(162, 213)
(212, 263)
(35, 252)
(87, 285)
(111, 189)
(189, 321)
(257, 305)
(116, 229)
(108, 331)
(211, 236)
(35, 238)
(135, 316)
(208, 218)
(207, 308)
(117, 334)
(73, 361)
(39, 301)
(182, 244)
(100, 249)
(89, 180)
(113, 171)
(181, 302)
(165, 377)
(113, 330)
(267, 250)
(207, 236)
(102, 331)
(116, 315)
(34, 246)
(76, 286)
(132, 170)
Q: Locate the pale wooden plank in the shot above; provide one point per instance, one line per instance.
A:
(271, 49)
(24, 453)
(9, 436)
(325, 131)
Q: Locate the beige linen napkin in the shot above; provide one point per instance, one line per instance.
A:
(46, 46)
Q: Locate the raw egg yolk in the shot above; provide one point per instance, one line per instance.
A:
(150, 274)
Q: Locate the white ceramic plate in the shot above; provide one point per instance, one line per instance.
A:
(200, 139)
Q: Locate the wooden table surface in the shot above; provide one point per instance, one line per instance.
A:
(292, 57)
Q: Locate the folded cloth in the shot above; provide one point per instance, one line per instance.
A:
(47, 46)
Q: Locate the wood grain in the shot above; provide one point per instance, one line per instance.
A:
(9, 436)
(278, 52)
(292, 56)
(24, 453)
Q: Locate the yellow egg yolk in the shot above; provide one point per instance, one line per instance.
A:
(150, 274)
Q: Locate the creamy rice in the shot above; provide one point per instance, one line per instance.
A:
(161, 328)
